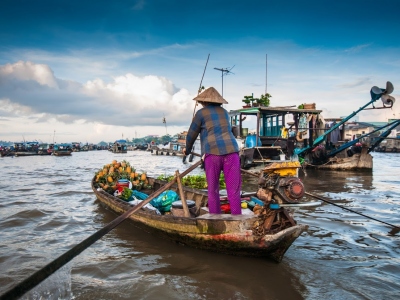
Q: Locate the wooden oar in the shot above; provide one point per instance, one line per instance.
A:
(26, 285)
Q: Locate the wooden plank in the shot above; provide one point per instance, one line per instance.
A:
(182, 195)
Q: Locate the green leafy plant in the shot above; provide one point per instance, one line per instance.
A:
(265, 99)
(194, 181)
(126, 194)
(247, 99)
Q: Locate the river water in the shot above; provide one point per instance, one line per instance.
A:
(47, 206)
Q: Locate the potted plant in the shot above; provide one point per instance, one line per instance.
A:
(265, 99)
(247, 101)
(256, 102)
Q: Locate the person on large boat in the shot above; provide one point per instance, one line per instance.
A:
(219, 149)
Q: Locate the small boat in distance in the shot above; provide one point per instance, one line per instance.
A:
(45, 149)
(62, 150)
(26, 148)
(119, 146)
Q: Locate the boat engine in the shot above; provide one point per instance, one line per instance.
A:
(279, 182)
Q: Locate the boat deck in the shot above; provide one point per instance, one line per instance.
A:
(227, 217)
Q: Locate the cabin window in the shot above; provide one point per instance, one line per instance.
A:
(270, 125)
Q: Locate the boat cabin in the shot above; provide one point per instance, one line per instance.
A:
(273, 134)
(119, 146)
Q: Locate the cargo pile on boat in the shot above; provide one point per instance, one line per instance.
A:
(117, 175)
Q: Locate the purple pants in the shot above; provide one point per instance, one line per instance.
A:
(230, 165)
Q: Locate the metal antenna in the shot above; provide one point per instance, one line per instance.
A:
(266, 68)
(224, 71)
(201, 87)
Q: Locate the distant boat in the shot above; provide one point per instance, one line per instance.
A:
(62, 150)
(45, 149)
(174, 147)
(119, 146)
(76, 147)
(6, 151)
(143, 147)
(26, 148)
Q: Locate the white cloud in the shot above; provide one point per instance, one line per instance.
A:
(27, 71)
(32, 91)
(113, 91)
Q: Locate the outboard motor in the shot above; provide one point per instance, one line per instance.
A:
(280, 182)
(279, 186)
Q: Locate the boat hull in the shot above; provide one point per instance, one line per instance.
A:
(223, 233)
(359, 161)
(25, 153)
(62, 153)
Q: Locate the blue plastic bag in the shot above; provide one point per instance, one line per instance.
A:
(139, 195)
(164, 201)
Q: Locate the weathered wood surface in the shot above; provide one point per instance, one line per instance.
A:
(221, 233)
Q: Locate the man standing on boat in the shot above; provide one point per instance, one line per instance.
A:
(219, 149)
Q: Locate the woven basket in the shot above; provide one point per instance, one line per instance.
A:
(309, 106)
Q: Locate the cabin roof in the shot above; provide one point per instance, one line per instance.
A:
(278, 110)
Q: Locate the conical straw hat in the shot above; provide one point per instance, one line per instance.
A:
(210, 95)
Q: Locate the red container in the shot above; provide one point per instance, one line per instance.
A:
(226, 208)
(121, 184)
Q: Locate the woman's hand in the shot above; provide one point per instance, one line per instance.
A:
(184, 151)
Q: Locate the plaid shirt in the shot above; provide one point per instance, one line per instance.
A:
(212, 123)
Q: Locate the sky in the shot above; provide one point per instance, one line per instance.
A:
(91, 71)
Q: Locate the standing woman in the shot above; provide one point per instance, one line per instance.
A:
(219, 147)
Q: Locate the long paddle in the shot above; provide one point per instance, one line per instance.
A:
(353, 211)
(36, 278)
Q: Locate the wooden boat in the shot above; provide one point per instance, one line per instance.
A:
(62, 150)
(390, 145)
(119, 146)
(272, 145)
(361, 160)
(306, 138)
(45, 149)
(26, 149)
(175, 146)
(7, 152)
(244, 235)
(142, 147)
(76, 147)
